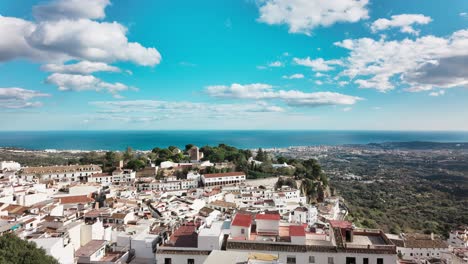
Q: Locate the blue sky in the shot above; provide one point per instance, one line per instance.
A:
(233, 64)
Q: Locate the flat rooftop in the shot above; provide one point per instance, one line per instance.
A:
(367, 240)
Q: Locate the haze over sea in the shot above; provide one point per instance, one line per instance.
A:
(146, 140)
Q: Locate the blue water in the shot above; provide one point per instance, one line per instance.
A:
(146, 140)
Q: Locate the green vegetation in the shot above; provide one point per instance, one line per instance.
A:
(14, 250)
(413, 191)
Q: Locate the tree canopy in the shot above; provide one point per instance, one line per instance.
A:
(14, 250)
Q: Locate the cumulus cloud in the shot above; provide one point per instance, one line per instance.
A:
(77, 82)
(404, 21)
(15, 98)
(90, 40)
(294, 76)
(82, 67)
(421, 64)
(317, 64)
(65, 32)
(71, 9)
(260, 91)
(302, 16)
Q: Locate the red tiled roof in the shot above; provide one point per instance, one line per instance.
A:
(296, 231)
(341, 224)
(227, 174)
(185, 236)
(242, 220)
(275, 217)
(75, 199)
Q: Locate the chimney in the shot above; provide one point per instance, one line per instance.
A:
(432, 236)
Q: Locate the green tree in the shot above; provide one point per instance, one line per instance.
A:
(261, 155)
(14, 250)
(128, 154)
(188, 146)
(135, 164)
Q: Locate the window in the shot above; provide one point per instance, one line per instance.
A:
(380, 261)
(330, 260)
(311, 259)
(242, 231)
(350, 260)
(365, 261)
(167, 261)
(190, 261)
(290, 260)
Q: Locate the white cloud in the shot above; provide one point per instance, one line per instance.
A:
(319, 74)
(77, 38)
(422, 64)
(71, 9)
(404, 21)
(294, 76)
(347, 109)
(463, 14)
(275, 64)
(342, 83)
(318, 82)
(91, 40)
(15, 98)
(77, 82)
(302, 16)
(438, 93)
(82, 67)
(292, 97)
(317, 64)
(152, 110)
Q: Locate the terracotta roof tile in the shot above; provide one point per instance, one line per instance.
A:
(242, 220)
(79, 199)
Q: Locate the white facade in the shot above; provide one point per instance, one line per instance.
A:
(328, 257)
(122, 176)
(421, 253)
(186, 255)
(223, 179)
(58, 248)
(458, 238)
(168, 185)
(304, 215)
(68, 173)
(9, 166)
(211, 238)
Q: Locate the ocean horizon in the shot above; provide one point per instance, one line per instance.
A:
(147, 140)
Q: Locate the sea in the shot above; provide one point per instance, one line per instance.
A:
(147, 140)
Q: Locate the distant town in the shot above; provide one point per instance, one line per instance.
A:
(224, 205)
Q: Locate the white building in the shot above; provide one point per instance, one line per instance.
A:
(9, 166)
(215, 179)
(69, 173)
(304, 215)
(458, 238)
(57, 247)
(420, 246)
(117, 176)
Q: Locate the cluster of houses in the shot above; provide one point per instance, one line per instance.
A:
(78, 214)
